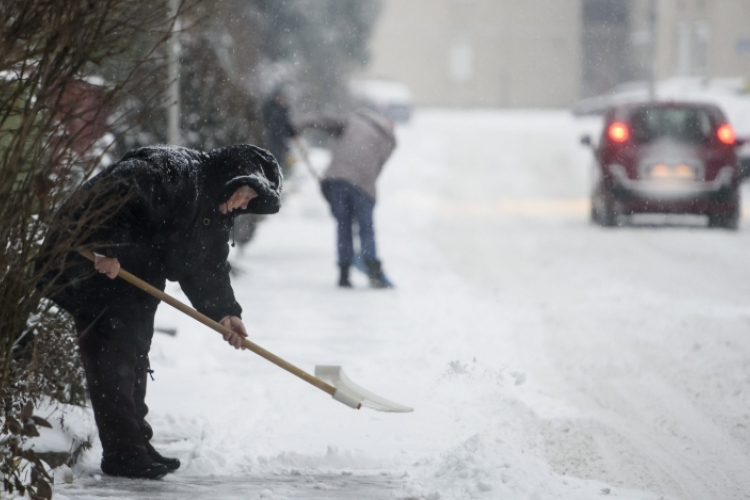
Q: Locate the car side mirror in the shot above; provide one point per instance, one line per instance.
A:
(586, 140)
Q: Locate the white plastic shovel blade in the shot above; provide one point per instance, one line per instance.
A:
(351, 394)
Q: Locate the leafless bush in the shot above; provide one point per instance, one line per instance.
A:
(68, 71)
(217, 106)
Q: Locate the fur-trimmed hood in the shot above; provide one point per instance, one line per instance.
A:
(222, 171)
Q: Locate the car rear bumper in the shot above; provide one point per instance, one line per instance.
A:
(675, 196)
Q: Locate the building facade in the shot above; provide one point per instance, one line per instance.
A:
(549, 53)
(482, 53)
(708, 38)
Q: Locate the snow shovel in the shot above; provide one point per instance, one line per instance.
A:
(329, 379)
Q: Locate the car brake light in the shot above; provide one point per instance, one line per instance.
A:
(618, 132)
(725, 133)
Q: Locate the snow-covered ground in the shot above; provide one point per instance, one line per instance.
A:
(545, 357)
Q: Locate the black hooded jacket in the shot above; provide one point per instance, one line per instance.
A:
(169, 227)
(278, 127)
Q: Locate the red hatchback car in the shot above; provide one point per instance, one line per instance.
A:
(666, 157)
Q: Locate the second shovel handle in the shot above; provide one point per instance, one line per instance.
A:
(306, 158)
(252, 346)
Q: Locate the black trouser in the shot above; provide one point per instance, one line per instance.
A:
(350, 204)
(114, 352)
(116, 374)
(115, 323)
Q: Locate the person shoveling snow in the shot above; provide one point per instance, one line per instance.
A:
(172, 210)
(364, 141)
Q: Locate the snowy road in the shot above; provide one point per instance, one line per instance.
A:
(643, 329)
(545, 357)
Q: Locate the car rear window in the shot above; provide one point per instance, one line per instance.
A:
(687, 125)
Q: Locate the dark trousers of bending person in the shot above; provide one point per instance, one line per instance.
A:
(114, 348)
(115, 325)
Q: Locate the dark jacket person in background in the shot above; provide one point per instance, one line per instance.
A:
(172, 221)
(278, 127)
(364, 141)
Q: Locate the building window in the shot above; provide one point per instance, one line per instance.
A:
(701, 40)
(693, 40)
(683, 49)
(461, 61)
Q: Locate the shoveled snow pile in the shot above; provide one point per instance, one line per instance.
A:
(496, 452)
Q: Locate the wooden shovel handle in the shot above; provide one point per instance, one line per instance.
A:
(152, 290)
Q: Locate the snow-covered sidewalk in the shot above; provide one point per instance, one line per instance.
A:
(433, 343)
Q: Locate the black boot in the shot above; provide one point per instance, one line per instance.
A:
(172, 464)
(344, 276)
(137, 466)
(376, 275)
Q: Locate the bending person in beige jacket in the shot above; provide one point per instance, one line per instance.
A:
(363, 143)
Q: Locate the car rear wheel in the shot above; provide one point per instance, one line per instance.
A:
(727, 220)
(603, 211)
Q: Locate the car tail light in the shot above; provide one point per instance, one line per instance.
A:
(725, 133)
(618, 132)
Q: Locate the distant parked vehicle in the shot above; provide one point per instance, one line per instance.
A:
(389, 98)
(666, 157)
